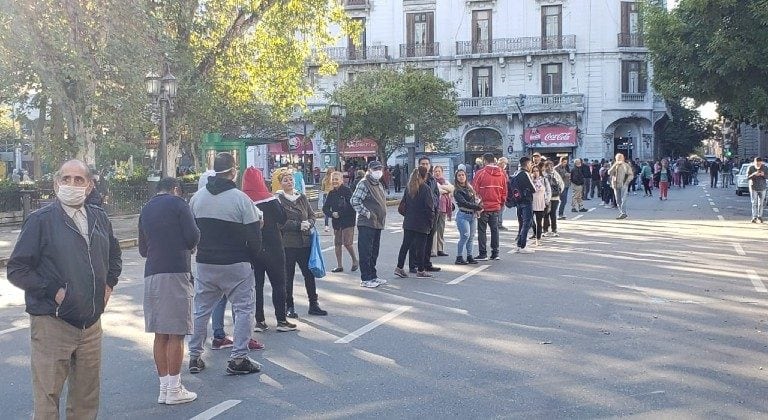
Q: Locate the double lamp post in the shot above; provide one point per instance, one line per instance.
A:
(162, 91)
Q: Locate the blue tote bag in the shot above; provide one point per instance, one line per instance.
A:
(316, 263)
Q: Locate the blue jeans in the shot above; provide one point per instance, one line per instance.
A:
(217, 318)
(524, 220)
(466, 223)
(758, 202)
(368, 240)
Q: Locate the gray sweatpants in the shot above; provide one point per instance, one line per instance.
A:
(234, 281)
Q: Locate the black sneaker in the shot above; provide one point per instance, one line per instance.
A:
(561, 218)
(244, 367)
(495, 257)
(482, 258)
(471, 260)
(290, 312)
(583, 210)
(432, 268)
(283, 326)
(412, 270)
(196, 365)
(260, 326)
(574, 211)
(460, 261)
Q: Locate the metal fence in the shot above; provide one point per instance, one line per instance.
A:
(10, 200)
(123, 199)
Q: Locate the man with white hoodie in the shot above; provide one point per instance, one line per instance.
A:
(490, 183)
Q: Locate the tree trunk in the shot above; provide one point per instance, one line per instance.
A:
(172, 150)
(38, 131)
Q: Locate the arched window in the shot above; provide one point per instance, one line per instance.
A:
(483, 140)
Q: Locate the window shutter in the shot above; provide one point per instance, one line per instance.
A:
(643, 88)
(625, 8)
(624, 76)
(489, 15)
(431, 30)
(557, 83)
(409, 29)
(544, 77)
(490, 82)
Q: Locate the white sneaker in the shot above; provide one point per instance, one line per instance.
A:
(371, 284)
(525, 251)
(380, 280)
(326, 229)
(163, 394)
(546, 234)
(555, 235)
(179, 395)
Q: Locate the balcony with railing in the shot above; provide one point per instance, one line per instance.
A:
(633, 97)
(420, 50)
(356, 4)
(631, 40)
(369, 53)
(522, 45)
(533, 104)
(484, 106)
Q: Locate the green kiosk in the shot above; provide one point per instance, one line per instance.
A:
(214, 143)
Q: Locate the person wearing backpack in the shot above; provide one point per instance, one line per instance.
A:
(521, 196)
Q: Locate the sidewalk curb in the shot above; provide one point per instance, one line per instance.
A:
(134, 242)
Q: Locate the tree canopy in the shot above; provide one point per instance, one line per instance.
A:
(712, 50)
(683, 135)
(381, 105)
(237, 62)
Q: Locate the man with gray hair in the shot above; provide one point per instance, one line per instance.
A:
(67, 260)
(230, 238)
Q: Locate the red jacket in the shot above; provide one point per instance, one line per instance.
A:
(491, 186)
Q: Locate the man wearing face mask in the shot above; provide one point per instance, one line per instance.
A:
(230, 238)
(67, 260)
(370, 204)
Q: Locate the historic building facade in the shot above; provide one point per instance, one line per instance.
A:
(553, 76)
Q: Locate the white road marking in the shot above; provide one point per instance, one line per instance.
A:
(460, 279)
(592, 209)
(739, 249)
(397, 231)
(367, 328)
(756, 281)
(216, 410)
(578, 217)
(10, 330)
(720, 217)
(715, 209)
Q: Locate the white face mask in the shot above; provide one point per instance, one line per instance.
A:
(71, 196)
(377, 174)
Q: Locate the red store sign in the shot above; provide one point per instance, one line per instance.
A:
(550, 136)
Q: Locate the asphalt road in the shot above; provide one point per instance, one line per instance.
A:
(661, 315)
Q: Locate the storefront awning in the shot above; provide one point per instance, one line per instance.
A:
(550, 136)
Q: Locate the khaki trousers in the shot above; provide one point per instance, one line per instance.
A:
(438, 242)
(61, 352)
(578, 198)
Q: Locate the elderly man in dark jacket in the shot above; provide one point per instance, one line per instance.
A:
(67, 261)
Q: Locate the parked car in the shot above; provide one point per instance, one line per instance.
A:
(742, 183)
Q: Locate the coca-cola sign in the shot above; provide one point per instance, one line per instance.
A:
(550, 136)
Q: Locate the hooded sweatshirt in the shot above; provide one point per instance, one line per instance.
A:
(255, 188)
(491, 186)
(230, 231)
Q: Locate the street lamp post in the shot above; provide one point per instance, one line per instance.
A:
(338, 114)
(162, 91)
